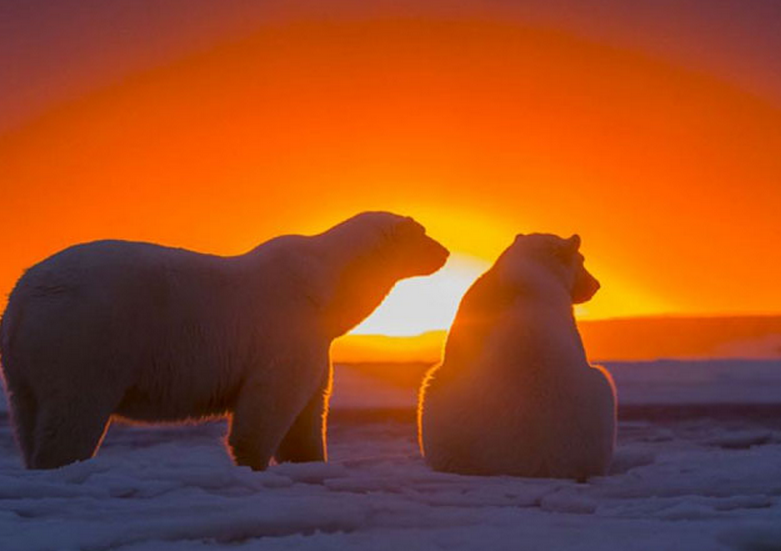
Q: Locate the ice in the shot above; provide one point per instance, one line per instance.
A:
(754, 536)
(742, 439)
(663, 382)
(698, 382)
(693, 483)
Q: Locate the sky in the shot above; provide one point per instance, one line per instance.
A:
(652, 129)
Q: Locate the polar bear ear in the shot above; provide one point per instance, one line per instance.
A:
(567, 249)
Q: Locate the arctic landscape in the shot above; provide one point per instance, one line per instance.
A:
(697, 467)
(204, 205)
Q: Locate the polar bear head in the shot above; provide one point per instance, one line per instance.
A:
(368, 254)
(410, 252)
(395, 245)
(538, 262)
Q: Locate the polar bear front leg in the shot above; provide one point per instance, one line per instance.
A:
(269, 403)
(306, 439)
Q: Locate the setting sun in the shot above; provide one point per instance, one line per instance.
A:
(422, 304)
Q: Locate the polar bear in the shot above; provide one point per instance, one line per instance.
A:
(514, 393)
(155, 334)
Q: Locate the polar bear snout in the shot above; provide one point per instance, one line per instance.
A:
(585, 287)
(416, 254)
(427, 256)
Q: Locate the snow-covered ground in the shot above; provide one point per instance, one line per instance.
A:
(640, 384)
(691, 483)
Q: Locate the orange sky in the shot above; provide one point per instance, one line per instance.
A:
(479, 128)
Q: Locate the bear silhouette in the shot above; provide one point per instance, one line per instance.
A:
(514, 393)
(155, 334)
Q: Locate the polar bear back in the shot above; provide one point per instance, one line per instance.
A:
(198, 316)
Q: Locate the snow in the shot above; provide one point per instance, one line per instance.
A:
(698, 382)
(663, 382)
(691, 483)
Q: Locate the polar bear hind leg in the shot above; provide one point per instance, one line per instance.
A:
(23, 415)
(65, 433)
(70, 428)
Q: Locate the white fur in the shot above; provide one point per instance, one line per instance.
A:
(155, 334)
(515, 394)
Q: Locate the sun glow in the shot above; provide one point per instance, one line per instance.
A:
(422, 304)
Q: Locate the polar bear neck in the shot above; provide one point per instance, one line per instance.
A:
(360, 272)
(358, 293)
(524, 284)
(343, 274)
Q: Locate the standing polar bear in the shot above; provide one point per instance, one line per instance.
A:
(155, 334)
(515, 394)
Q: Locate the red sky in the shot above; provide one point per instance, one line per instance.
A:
(653, 130)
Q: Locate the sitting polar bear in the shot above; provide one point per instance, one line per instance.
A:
(155, 334)
(514, 393)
